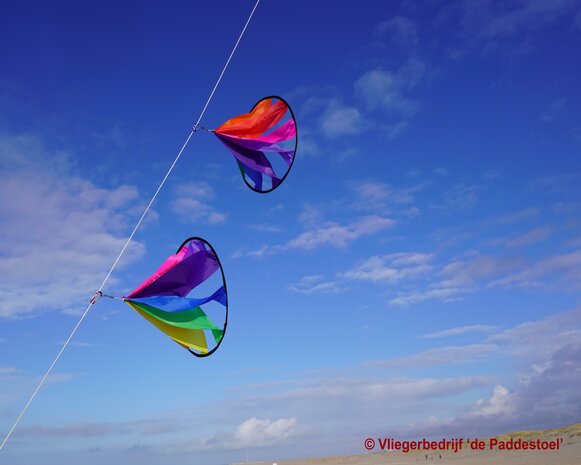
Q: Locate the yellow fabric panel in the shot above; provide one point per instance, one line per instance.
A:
(193, 338)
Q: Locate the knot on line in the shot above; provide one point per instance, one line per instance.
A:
(198, 127)
(96, 297)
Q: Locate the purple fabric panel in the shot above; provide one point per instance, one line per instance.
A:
(197, 265)
(253, 159)
(168, 263)
(287, 156)
(253, 144)
(256, 145)
(254, 176)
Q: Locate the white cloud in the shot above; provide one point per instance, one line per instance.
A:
(529, 238)
(555, 110)
(440, 356)
(372, 191)
(442, 171)
(60, 232)
(557, 271)
(385, 90)
(332, 117)
(265, 227)
(378, 90)
(15, 384)
(541, 337)
(337, 235)
(526, 16)
(499, 403)
(447, 294)
(309, 144)
(509, 27)
(255, 432)
(145, 426)
(191, 202)
(459, 197)
(374, 195)
(516, 216)
(563, 183)
(546, 396)
(315, 285)
(391, 268)
(458, 331)
(458, 277)
(340, 120)
(544, 393)
(310, 215)
(467, 273)
(402, 30)
(252, 433)
(77, 429)
(326, 234)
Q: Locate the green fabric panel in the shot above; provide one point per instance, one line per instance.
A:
(188, 319)
(218, 335)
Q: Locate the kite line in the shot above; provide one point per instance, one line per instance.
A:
(98, 292)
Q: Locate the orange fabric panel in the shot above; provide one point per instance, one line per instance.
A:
(264, 116)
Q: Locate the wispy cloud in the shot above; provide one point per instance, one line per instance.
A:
(315, 285)
(191, 202)
(387, 91)
(390, 268)
(459, 197)
(327, 234)
(507, 28)
(557, 271)
(529, 238)
(334, 118)
(378, 91)
(265, 227)
(401, 30)
(515, 217)
(451, 355)
(254, 433)
(15, 383)
(460, 330)
(337, 235)
(554, 111)
(446, 294)
(60, 231)
(544, 395)
(469, 272)
(77, 429)
(340, 120)
(145, 427)
(560, 183)
(457, 277)
(380, 196)
(543, 392)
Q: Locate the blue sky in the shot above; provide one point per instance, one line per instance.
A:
(416, 274)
